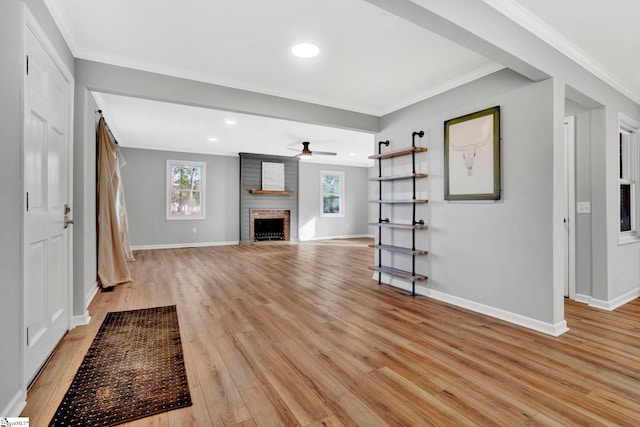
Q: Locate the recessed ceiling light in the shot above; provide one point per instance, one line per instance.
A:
(230, 122)
(352, 154)
(212, 139)
(305, 50)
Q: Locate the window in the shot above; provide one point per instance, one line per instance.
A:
(627, 179)
(331, 193)
(185, 189)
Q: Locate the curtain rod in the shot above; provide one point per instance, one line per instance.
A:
(108, 128)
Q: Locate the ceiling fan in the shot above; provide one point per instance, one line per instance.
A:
(306, 152)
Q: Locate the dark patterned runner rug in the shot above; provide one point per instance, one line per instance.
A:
(133, 369)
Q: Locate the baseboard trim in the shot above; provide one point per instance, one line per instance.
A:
(15, 405)
(616, 302)
(89, 297)
(585, 299)
(555, 330)
(183, 245)
(84, 319)
(350, 236)
(81, 320)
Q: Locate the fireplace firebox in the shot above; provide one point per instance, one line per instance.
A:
(268, 229)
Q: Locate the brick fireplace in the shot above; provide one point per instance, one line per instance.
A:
(259, 214)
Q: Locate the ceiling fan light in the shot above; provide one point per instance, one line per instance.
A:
(306, 154)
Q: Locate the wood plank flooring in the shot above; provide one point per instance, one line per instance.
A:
(300, 335)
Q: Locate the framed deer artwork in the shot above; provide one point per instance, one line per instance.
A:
(472, 156)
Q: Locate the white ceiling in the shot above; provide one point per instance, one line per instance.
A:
(371, 61)
(142, 123)
(602, 36)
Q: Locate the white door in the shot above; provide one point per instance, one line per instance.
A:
(46, 184)
(570, 216)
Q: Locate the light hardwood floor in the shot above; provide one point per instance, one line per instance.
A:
(300, 334)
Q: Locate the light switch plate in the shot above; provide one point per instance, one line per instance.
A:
(583, 207)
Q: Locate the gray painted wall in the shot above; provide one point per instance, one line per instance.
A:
(251, 179)
(497, 254)
(85, 263)
(599, 246)
(11, 224)
(615, 274)
(354, 222)
(12, 391)
(144, 183)
(144, 180)
(583, 143)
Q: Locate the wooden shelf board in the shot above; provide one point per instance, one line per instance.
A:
(400, 201)
(271, 192)
(400, 152)
(399, 273)
(399, 249)
(399, 177)
(394, 225)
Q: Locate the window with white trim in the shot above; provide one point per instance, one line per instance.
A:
(629, 166)
(185, 189)
(331, 194)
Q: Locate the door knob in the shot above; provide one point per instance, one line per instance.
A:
(67, 221)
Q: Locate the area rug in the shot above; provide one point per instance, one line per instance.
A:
(133, 369)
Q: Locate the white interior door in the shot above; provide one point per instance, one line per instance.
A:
(46, 183)
(570, 221)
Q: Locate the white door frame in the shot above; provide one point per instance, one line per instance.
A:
(570, 185)
(30, 24)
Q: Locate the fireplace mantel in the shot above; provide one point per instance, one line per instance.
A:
(272, 192)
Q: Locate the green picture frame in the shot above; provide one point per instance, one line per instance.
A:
(472, 156)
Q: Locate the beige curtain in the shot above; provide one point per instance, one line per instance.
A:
(114, 249)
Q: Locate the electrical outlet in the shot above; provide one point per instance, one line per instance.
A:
(195, 230)
(583, 207)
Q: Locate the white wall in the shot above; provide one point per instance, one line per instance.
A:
(353, 223)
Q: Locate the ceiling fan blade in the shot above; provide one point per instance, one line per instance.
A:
(306, 152)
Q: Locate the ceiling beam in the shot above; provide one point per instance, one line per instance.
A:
(471, 24)
(101, 77)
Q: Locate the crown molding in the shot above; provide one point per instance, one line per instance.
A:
(451, 84)
(514, 12)
(530, 22)
(56, 11)
(153, 67)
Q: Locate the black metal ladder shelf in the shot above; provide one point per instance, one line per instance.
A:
(411, 276)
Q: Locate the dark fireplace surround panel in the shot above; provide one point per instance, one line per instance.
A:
(267, 206)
